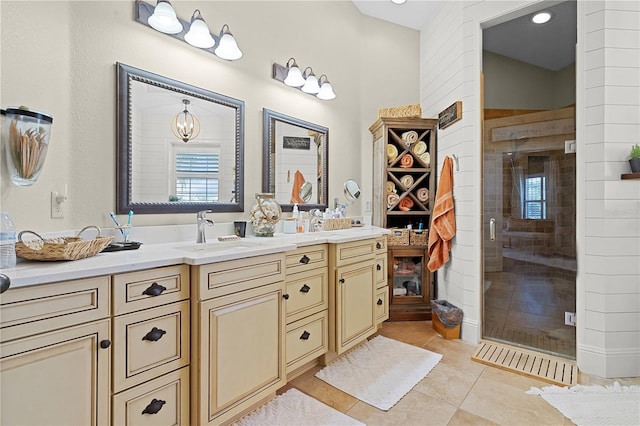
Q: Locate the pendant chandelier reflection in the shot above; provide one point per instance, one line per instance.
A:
(185, 126)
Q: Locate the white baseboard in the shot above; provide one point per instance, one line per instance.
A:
(608, 363)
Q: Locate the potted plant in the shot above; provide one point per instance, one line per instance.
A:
(634, 160)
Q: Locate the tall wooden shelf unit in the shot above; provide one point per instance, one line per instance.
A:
(410, 282)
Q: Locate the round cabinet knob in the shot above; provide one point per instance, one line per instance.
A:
(378, 246)
(379, 302)
(104, 344)
(378, 267)
(305, 335)
(304, 259)
(285, 296)
(341, 280)
(305, 289)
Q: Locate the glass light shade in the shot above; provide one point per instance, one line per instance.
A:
(227, 47)
(326, 92)
(199, 35)
(164, 19)
(294, 76)
(311, 84)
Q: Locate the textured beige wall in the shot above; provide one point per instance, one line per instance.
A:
(59, 57)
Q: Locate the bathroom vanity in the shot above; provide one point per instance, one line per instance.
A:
(182, 333)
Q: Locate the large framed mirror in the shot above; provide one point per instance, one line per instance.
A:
(158, 172)
(295, 156)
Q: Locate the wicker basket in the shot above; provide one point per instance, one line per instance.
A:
(333, 224)
(62, 248)
(419, 237)
(401, 111)
(398, 237)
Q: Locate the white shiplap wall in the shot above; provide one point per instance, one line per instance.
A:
(609, 267)
(608, 123)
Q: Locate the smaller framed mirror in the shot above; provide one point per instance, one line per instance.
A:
(351, 190)
(295, 154)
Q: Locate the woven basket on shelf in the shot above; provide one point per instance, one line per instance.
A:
(398, 237)
(61, 248)
(401, 111)
(419, 237)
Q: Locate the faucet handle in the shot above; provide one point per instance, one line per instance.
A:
(203, 213)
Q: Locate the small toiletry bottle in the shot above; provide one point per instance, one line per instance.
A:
(409, 225)
(343, 211)
(327, 213)
(336, 213)
(420, 225)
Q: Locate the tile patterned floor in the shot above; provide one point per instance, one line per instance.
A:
(458, 391)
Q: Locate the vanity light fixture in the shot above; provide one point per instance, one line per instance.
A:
(326, 90)
(310, 82)
(294, 75)
(398, 1)
(185, 126)
(541, 17)
(306, 81)
(164, 18)
(199, 35)
(227, 46)
(196, 33)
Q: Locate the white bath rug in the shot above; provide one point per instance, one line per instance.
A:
(294, 408)
(380, 372)
(594, 405)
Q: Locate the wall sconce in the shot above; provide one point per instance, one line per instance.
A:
(185, 126)
(306, 81)
(163, 18)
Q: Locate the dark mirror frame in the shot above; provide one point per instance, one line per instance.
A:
(124, 203)
(269, 118)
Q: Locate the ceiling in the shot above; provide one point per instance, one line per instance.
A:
(550, 45)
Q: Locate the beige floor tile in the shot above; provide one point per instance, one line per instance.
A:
(499, 396)
(415, 408)
(322, 391)
(449, 383)
(463, 418)
(416, 333)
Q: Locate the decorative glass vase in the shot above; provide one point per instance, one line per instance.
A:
(25, 135)
(265, 215)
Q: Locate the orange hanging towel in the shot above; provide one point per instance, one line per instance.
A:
(443, 219)
(298, 180)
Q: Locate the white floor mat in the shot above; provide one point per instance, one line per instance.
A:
(380, 372)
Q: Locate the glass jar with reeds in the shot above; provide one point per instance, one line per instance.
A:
(25, 135)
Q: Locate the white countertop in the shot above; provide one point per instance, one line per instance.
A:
(156, 255)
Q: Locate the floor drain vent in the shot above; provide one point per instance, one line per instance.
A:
(558, 371)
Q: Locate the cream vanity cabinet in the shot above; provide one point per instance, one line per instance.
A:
(238, 332)
(151, 347)
(382, 287)
(306, 306)
(55, 354)
(353, 285)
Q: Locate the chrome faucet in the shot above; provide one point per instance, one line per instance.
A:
(202, 221)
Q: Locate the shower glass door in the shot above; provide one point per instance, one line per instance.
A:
(529, 167)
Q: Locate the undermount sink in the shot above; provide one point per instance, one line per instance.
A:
(220, 246)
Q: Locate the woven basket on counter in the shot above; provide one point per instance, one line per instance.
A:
(60, 248)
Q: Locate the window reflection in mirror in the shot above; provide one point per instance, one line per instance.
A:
(159, 173)
(295, 161)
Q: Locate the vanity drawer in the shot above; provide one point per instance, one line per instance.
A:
(163, 401)
(149, 343)
(146, 289)
(306, 339)
(308, 293)
(354, 252)
(382, 304)
(381, 245)
(306, 258)
(25, 311)
(381, 270)
(222, 278)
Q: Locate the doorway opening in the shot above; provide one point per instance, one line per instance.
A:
(529, 178)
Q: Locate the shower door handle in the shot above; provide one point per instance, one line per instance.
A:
(492, 229)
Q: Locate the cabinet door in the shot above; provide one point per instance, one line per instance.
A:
(241, 351)
(355, 304)
(57, 378)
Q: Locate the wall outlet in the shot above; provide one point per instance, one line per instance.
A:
(570, 318)
(57, 201)
(367, 206)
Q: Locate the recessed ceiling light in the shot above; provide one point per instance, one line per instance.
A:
(398, 1)
(541, 17)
